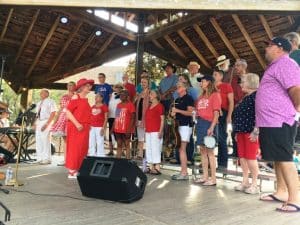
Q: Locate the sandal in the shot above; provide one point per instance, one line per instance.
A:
(288, 208)
(155, 172)
(199, 181)
(209, 183)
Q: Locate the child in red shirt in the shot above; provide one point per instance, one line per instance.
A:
(208, 108)
(98, 127)
(124, 122)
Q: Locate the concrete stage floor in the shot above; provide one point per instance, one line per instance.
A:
(164, 202)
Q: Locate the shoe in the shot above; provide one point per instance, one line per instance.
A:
(189, 163)
(240, 187)
(221, 168)
(173, 161)
(45, 162)
(111, 153)
(61, 163)
(209, 183)
(72, 175)
(179, 177)
(253, 189)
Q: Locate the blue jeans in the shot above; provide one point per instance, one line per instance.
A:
(222, 140)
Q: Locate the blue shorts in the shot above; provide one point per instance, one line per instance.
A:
(201, 130)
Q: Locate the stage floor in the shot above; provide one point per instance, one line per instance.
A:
(164, 202)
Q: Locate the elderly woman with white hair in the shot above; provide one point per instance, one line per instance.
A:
(294, 39)
(247, 134)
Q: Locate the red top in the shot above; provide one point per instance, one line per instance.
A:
(98, 115)
(206, 107)
(123, 117)
(237, 90)
(225, 89)
(131, 90)
(153, 118)
(81, 109)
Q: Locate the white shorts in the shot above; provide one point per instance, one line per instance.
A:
(185, 133)
(140, 133)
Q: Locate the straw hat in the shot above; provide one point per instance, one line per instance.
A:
(221, 60)
(193, 63)
(83, 82)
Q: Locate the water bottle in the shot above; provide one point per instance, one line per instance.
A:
(8, 176)
(144, 165)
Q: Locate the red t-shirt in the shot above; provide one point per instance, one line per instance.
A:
(123, 117)
(225, 89)
(98, 115)
(206, 107)
(153, 118)
(131, 90)
(238, 94)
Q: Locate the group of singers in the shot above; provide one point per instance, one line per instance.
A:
(207, 103)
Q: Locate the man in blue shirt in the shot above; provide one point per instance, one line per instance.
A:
(103, 88)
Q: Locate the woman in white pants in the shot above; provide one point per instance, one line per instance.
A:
(98, 127)
(154, 124)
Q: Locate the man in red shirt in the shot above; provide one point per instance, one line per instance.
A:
(124, 123)
(129, 87)
(240, 68)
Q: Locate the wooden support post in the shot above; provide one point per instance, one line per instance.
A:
(26, 98)
(140, 47)
(249, 40)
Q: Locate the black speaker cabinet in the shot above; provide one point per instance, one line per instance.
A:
(111, 179)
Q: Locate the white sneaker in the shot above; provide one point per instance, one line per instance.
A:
(45, 162)
(240, 187)
(72, 175)
(253, 189)
(62, 163)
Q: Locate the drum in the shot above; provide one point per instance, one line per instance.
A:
(210, 142)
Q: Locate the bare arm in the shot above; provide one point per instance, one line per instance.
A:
(102, 132)
(230, 107)
(294, 93)
(52, 115)
(161, 129)
(188, 112)
(210, 131)
(132, 123)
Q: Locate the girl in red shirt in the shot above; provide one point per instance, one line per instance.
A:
(208, 108)
(154, 125)
(98, 127)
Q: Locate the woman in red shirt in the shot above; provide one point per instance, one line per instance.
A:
(154, 125)
(78, 127)
(227, 105)
(98, 127)
(208, 108)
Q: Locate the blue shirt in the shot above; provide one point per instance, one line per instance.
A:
(244, 114)
(168, 82)
(105, 90)
(193, 92)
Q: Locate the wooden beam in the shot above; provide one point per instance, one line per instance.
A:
(157, 44)
(85, 46)
(266, 26)
(249, 40)
(193, 48)
(291, 20)
(6, 23)
(105, 45)
(205, 40)
(174, 46)
(66, 45)
(53, 86)
(131, 17)
(27, 34)
(42, 48)
(172, 27)
(223, 37)
(91, 62)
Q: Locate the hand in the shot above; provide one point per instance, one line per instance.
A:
(102, 132)
(228, 119)
(174, 110)
(79, 127)
(44, 127)
(160, 135)
(210, 131)
(253, 137)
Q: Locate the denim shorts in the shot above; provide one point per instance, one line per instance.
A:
(201, 130)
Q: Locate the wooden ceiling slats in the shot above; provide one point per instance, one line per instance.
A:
(193, 48)
(6, 23)
(174, 46)
(27, 34)
(48, 37)
(223, 37)
(105, 45)
(157, 44)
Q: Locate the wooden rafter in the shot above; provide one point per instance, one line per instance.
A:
(174, 46)
(291, 20)
(66, 45)
(172, 27)
(266, 26)
(193, 48)
(42, 48)
(205, 40)
(249, 40)
(27, 34)
(85, 46)
(223, 37)
(157, 44)
(105, 45)
(6, 23)
(131, 17)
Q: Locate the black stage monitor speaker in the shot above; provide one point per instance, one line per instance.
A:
(111, 179)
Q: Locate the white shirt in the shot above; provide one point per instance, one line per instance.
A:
(113, 102)
(195, 83)
(46, 107)
(5, 122)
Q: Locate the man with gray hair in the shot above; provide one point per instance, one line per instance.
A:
(46, 111)
(294, 39)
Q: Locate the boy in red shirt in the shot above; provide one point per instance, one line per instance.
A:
(98, 127)
(124, 123)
